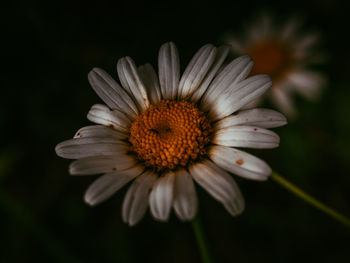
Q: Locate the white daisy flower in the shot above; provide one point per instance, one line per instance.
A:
(165, 132)
(284, 53)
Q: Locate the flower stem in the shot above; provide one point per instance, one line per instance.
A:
(309, 199)
(202, 245)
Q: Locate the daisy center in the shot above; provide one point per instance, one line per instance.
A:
(170, 134)
(271, 57)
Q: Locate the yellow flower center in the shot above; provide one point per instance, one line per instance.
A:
(170, 134)
(271, 57)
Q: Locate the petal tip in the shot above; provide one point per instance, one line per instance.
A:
(88, 200)
(59, 149)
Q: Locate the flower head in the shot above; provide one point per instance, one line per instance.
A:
(165, 132)
(284, 53)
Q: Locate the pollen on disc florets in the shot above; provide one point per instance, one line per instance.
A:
(170, 134)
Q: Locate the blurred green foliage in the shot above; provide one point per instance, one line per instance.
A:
(49, 49)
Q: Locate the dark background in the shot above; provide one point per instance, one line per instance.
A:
(48, 50)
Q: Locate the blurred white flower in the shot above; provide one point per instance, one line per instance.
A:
(164, 132)
(285, 52)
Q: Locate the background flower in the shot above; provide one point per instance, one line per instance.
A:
(286, 51)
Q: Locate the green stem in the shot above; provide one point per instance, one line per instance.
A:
(309, 199)
(203, 248)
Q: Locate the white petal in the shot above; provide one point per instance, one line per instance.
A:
(161, 198)
(220, 185)
(221, 54)
(307, 83)
(236, 46)
(131, 81)
(262, 28)
(289, 30)
(111, 92)
(232, 74)
(263, 118)
(238, 96)
(101, 114)
(100, 131)
(169, 70)
(185, 198)
(151, 82)
(106, 185)
(136, 199)
(86, 147)
(282, 99)
(246, 136)
(253, 104)
(196, 70)
(302, 44)
(240, 163)
(102, 164)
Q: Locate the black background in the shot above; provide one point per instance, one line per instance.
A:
(48, 50)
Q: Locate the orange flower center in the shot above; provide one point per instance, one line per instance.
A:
(271, 57)
(170, 134)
